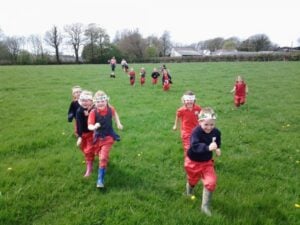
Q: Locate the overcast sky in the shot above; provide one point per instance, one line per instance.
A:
(188, 21)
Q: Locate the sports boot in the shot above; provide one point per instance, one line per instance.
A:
(206, 199)
(100, 181)
(189, 189)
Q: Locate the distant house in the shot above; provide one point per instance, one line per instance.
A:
(183, 52)
(225, 52)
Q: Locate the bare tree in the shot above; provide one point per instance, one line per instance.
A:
(103, 40)
(166, 42)
(92, 34)
(13, 45)
(75, 33)
(54, 38)
(36, 43)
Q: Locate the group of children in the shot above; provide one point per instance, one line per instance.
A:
(200, 137)
(166, 77)
(93, 128)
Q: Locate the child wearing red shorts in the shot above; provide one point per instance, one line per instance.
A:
(188, 116)
(240, 90)
(85, 136)
(199, 164)
(100, 121)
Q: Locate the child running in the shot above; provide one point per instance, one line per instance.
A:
(155, 74)
(85, 136)
(131, 75)
(188, 115)
(166, 80)
(100, 121)
(199, 162)
(76, 90)
(113, 64)
(143, 76)
(240, 90)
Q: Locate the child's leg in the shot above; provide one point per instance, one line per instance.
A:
(192, 171)
(89, 152)
(209, 177)
(105, 147)
(209, 180)
(242, 100)
(237, 101)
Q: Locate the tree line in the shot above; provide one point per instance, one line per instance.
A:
(91, 44)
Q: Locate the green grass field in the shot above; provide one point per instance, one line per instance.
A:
(41, 169)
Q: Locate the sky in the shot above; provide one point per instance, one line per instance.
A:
(188, 21)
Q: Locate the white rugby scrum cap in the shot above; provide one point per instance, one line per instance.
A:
(207, 116)
(86, 95)
(189, 97)
(101, 98)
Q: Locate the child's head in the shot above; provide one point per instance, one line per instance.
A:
(86, 99)
(207, 119)
(154, 69)
(142, 69)
(100, 99)
(131, 69)
(188, 99)
(76, 90)
(239, 78)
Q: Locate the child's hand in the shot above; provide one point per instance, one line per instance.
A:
(120, 126)
(218, 152)
(174, 127)
(97, 125)
(79, 140)
(213, 146)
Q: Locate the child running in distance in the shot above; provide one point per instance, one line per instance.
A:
(100, 121)
(240, 90)
(155, 74)
(85, 136)
(187, 114)
(199, 164)
(76, 90)
(166, 80)
(131, 76)
(113, 64)
(124, 65)
(143, 76)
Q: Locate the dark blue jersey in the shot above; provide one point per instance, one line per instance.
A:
(199, 143)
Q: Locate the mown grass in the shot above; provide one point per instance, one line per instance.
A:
(258, 172)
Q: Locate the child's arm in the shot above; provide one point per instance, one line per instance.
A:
(233, 90)
(246, 89)
(175, 123)
(70, 113)
(118, 122)
(91, 121)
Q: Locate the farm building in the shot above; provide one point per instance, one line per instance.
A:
(181, 52)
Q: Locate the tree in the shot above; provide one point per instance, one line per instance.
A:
(75, 33)
(36, 43)
(132, 44)
(214, 44)
(258, 42)
(54, 38)
(13, 45)
(166, 43)
(154, 46)
(231, 43)
(261, 42)
(91, 33)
